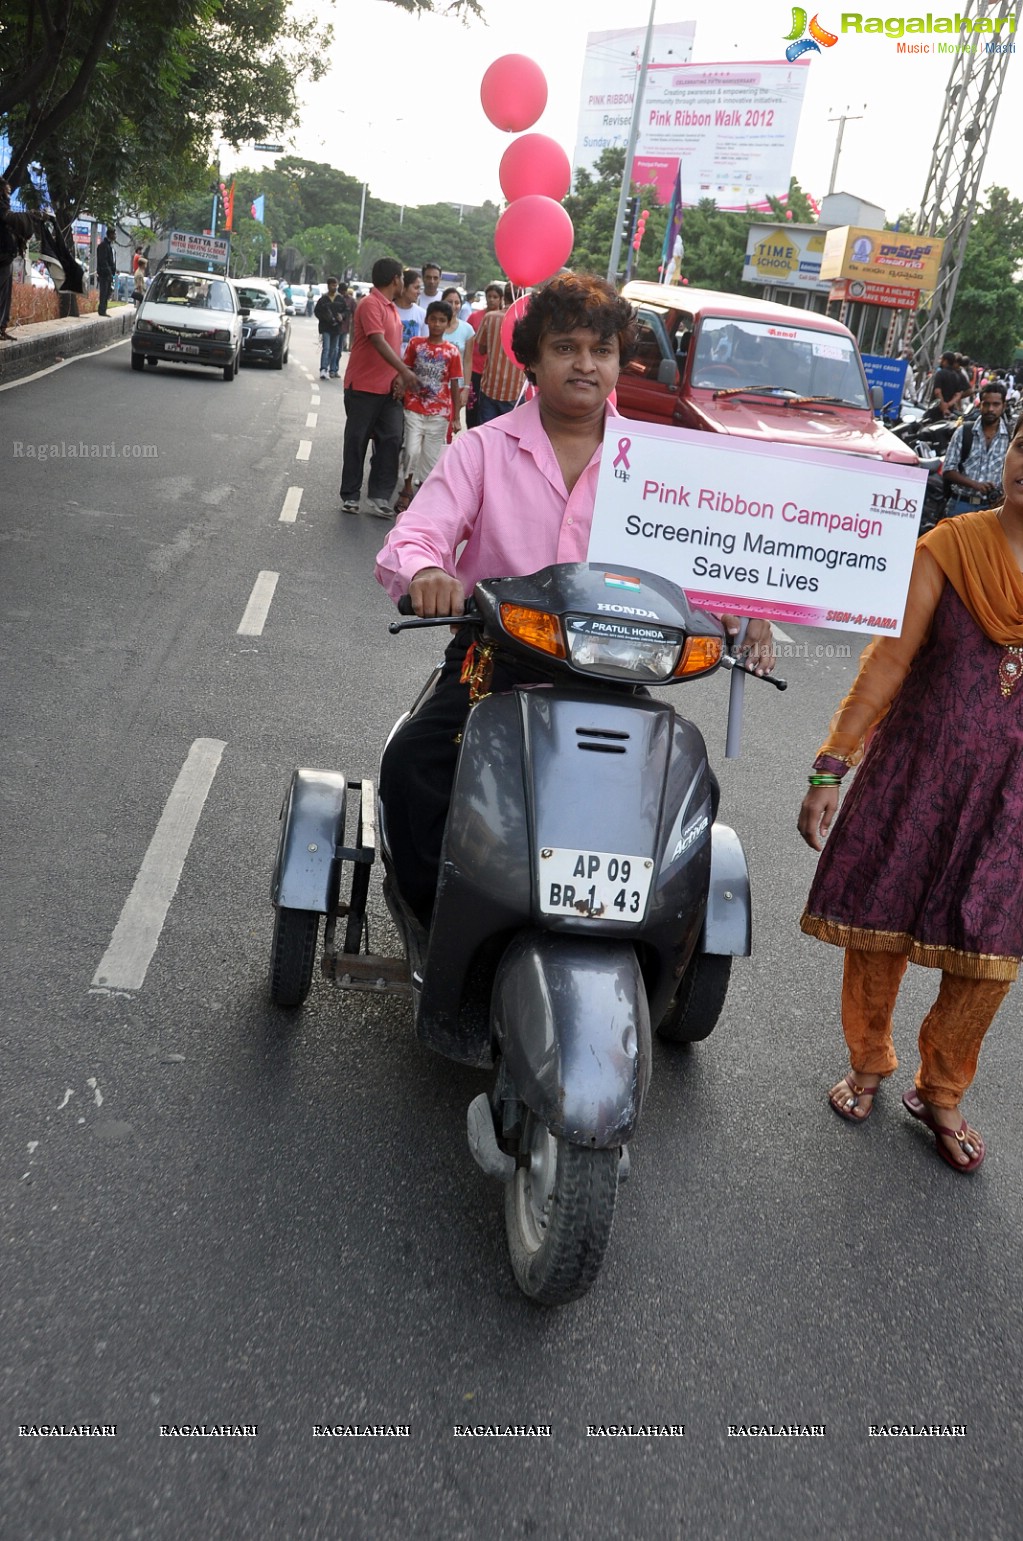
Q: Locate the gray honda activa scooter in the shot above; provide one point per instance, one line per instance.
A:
(586, 891)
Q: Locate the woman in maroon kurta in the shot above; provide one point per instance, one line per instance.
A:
(924, 863)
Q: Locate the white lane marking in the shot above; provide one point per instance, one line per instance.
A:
(305, 449)
(124, 964)
(310, 419)
(292, 499)
(782, 636)
(27, 379)
(314, 401)
(258, 606)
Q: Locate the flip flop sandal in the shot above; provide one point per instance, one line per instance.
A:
(911, 1101)
(844, 1108)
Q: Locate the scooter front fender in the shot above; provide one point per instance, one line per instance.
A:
(307, 871)
(571, 1020)
(728, 923)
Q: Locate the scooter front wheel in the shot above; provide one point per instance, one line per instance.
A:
(292, 955)
(693, 1014)
(559, 1210)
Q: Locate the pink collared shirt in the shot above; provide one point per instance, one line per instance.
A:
(499, 489)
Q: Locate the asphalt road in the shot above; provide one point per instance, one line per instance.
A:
(216, 1214)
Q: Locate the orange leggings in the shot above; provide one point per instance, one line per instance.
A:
(950, 1036)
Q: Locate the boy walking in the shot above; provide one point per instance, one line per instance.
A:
(431, 408)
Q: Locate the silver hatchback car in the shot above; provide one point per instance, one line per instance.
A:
(189, 318)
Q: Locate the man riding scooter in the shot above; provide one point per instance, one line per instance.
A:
(519, 493)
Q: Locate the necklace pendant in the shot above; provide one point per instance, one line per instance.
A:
(1010, 671)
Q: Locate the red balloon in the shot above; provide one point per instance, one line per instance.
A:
(513, 92)
(511, 315)
(535, 164)
(533, 239)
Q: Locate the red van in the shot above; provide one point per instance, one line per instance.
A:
(728, 364)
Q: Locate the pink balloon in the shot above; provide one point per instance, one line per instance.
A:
(533, 239)
(511, 315)
(513, 92)
(535, 164)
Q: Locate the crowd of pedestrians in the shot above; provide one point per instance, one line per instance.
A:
(983, 404)
(420, 355)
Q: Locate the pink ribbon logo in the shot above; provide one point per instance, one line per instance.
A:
(622, 457)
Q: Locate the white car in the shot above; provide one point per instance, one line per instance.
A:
(189, 318)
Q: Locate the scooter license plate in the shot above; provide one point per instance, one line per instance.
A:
(594, 885)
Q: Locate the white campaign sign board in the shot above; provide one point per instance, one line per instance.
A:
(795, 535)
(729, 130)
(609, 84)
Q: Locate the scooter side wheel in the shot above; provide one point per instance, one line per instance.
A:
(693, 1014)
(559, 1210)
(292, 955)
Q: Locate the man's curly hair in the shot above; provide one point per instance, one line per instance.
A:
(572, 302)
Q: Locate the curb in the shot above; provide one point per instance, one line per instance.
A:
(42, 343)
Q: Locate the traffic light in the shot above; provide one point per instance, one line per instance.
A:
(629, 222)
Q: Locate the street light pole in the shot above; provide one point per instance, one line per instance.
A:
(362, 220)
(841, 120)
(637, 107)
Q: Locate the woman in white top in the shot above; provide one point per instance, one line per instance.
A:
(461, 334)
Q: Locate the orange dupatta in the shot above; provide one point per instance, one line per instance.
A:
(976, 558)
(970, 552)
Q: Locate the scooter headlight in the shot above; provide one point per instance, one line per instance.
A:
(643, 654)
(622, 649)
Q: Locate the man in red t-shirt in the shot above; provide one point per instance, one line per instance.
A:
(372, 411)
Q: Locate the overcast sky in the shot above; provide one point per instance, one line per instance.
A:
(401, 108)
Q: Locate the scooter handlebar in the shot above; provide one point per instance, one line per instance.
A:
(405, 608)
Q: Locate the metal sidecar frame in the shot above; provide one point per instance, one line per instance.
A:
(311, 854)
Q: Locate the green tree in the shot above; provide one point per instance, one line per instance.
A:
(715, 239)
(987, 316)
(249, 241)
(312, 212)
(120, 100)
(330, 248)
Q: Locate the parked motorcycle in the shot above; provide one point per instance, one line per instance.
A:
(587, 892)
(929, 436)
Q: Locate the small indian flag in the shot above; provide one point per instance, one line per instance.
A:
(619, 581)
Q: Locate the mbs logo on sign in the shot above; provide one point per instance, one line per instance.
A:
(798, 41)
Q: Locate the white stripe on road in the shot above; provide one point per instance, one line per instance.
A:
(292, 499)
(314, 400)
(310, 419)
(782, 636)
(305, 449)
(258, 606)
(123, 966)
